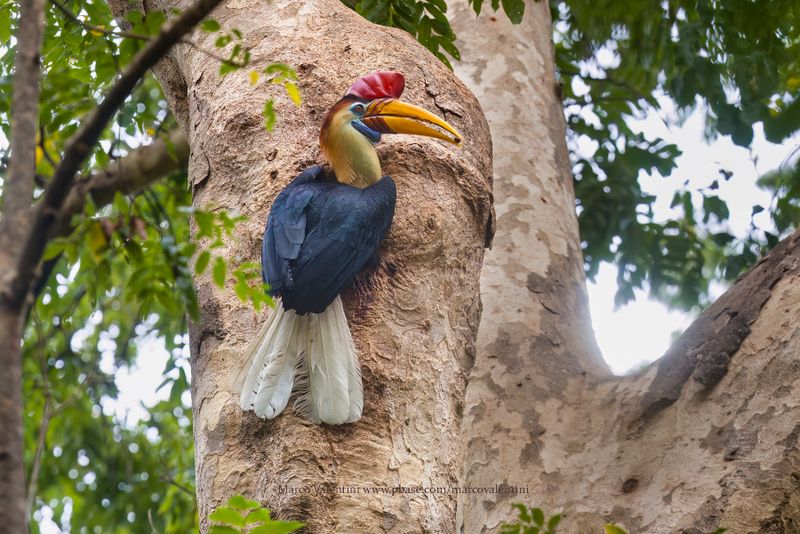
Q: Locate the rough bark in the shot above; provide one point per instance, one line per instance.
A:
(535, 345)
(414, 320)
(706, 437)
(12, 476)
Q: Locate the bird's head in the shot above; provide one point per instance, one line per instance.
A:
(371, 108)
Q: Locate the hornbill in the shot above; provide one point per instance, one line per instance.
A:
(320, 233)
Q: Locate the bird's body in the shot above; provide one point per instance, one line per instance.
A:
(319, 235)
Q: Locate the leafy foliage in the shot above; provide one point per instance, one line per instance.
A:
(241, 515)
(424, 19)
(532, 521)
(212, 228)
(120, 279)
(427, 20)
(735, 62)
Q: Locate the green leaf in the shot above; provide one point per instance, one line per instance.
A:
(614, 529)
(205, 224)
(153, 21)
(514, 9)
(241, 289)
(202, 262)
(476, 5)
(256, 516)
(553, 522)
(227, 68)
(241, 503)
(210, 25)
(269, 115)
(222, 41)
(281, 69)
(713, 205)
(522, 510)
(218, 272)
(53, 250)
(538, 516)
(134, 17)
(227, 515)
(5, 24)
(216, 529)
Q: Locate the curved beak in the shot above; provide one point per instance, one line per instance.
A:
(388, 115)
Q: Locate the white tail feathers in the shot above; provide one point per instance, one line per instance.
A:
(314, 356)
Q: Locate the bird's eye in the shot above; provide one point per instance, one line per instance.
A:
(358, 108)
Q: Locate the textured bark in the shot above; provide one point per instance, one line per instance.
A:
(12, 476)
(535, 346)
(706, 437)
(414, 320)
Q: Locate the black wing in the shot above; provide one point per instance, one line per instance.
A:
(320, 235)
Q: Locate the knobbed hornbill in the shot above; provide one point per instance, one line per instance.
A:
(320, 233)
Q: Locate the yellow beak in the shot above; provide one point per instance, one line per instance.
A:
(388, 115)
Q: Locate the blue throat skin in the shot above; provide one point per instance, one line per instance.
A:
(367, 132)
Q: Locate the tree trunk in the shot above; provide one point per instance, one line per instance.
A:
(414, 320)
(15, 222)
(705, 437)
(12, 477)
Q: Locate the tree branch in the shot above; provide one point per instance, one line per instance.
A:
(130, 174)
(79, 147)
(705, 349)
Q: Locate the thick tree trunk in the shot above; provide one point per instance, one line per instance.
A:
(706, 437)
(15, 223)
(414, 320)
